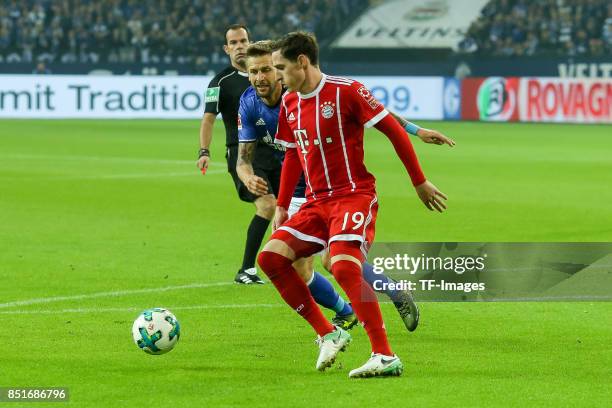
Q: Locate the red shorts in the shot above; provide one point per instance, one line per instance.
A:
(320, 222)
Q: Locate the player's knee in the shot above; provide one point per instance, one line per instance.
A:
(347, 273)
(345, 260)
(279, 246)
(326, 261)
(303, 267)
(345, 250)
(275, 255)
(265, 206)
(268, 261)
(272, 263)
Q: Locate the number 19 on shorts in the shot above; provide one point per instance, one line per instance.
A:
(353, 220)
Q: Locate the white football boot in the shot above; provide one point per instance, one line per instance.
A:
(330, 345)
(379, 365)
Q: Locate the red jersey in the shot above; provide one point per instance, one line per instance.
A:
(326, 127)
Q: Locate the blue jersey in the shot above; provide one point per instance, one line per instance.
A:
(257, 122)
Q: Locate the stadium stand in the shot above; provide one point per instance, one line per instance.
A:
(183, 36)
(541, 28)
(152, 31)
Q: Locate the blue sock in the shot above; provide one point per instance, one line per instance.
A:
(324, 294)
(371, 277)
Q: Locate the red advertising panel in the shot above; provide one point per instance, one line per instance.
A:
(490, 99)
(576, 100)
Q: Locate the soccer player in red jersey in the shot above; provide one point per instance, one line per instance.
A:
(321, 123)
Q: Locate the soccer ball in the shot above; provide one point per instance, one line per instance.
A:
(156, 331)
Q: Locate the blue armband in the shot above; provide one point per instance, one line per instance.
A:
(411, 128)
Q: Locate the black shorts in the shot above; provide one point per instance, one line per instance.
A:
(271, 176)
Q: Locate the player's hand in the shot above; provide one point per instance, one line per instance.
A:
(202, 164)
(431, 196)
(280, 216)
(434, 137)
(256, 185)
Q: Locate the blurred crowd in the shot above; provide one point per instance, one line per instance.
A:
(191, 31)
(150, 31)
(566, 28)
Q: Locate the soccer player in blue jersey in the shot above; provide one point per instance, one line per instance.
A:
(257, 124)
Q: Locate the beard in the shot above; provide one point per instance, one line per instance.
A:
(265, 94)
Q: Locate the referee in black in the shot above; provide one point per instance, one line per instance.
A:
(223, 95)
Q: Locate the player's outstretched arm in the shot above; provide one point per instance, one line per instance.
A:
(427, 192)
(244, 168)
(434, 137)
(426, 135)
(290, 175)
(206, 131)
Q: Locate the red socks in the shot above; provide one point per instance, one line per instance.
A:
(348, 274)
(293, 290)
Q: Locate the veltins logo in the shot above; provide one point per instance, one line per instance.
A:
(428, 11)
(496, 100)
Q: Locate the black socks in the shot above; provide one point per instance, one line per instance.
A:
(255, 234)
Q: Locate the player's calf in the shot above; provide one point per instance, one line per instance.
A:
(265, 206)
(402, 299)
(348, 274)
(293, 290)
(325, 294)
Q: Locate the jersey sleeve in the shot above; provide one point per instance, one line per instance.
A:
(290, 176)
(246, 127)
(403, 147)
(284, 136)
(364, 106)
(212, 97)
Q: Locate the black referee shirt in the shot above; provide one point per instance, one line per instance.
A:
(223, 95)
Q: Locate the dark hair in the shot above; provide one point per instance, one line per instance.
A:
(236, 27)
(259, 49)
(297, 43)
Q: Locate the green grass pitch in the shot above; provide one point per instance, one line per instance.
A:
(102, 219)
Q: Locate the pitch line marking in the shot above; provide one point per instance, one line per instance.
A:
(105, 158)
(140, 309)
(136, 175)
(125, 176)
(247, 306)
(116, 293)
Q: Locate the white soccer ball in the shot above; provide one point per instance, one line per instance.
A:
(156, 331)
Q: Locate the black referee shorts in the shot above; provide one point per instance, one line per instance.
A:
(271, 176)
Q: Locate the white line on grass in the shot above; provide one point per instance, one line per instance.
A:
(266, 305)
(115, 293)
(139, 309)
(19, 156)
(134, 175)
(127, 176)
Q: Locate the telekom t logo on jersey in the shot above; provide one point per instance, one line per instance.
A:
(302, 140)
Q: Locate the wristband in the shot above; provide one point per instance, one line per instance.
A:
(412, 129)
(203, 152)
